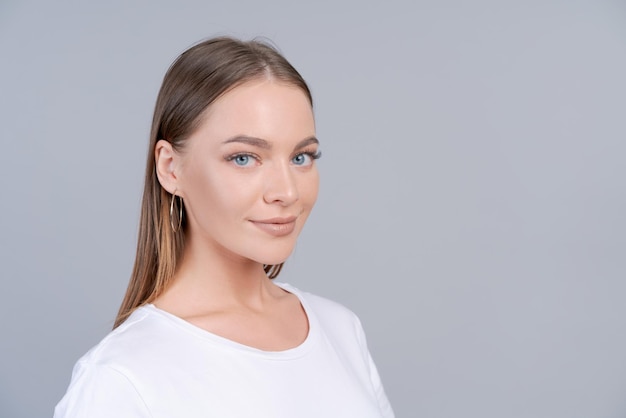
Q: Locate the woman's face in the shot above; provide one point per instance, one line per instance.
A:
(248, 175)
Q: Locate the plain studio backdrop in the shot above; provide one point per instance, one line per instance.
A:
(472, 206)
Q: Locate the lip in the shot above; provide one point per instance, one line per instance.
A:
(277, 227)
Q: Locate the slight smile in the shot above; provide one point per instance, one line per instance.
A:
(277, 227)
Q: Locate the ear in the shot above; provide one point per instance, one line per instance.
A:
(166, 161)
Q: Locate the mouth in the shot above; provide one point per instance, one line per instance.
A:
(277, 227)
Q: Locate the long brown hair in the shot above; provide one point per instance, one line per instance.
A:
(196, 79)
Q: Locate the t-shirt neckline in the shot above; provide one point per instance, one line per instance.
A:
(228, 344)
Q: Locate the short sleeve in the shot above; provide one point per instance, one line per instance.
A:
(381, 396)
(98, 391)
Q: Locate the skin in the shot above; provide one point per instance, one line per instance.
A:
(248, 183)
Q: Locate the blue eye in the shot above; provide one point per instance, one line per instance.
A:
(300, 159)
(242, 160)
(306, 158)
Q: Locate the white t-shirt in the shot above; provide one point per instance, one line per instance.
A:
(158, 365)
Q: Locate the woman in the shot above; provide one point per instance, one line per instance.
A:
(203, 330)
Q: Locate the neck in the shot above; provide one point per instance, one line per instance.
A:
(211, 278)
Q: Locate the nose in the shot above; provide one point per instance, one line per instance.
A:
(280, 186)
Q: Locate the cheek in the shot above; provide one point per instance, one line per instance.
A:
(310, 188)
(218, 193)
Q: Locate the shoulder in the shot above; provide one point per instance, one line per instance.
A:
(102, 383)
(319, 304)
(100, 391)
(333, 316)
(134, 340)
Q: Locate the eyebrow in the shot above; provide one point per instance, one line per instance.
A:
(262, 143)
(307, 141)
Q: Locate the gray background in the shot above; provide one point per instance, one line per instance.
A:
(472, 203)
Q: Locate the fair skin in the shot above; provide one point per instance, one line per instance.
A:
(248, 180)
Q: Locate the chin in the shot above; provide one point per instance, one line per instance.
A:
(276, 257)
(272, 261)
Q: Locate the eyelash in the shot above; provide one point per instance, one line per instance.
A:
(242, 154)
(313, 155)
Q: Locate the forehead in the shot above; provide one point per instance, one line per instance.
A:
(263, 108)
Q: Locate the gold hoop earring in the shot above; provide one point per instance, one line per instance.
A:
(180, 212)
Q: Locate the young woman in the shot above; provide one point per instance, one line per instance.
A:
(203, 330)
